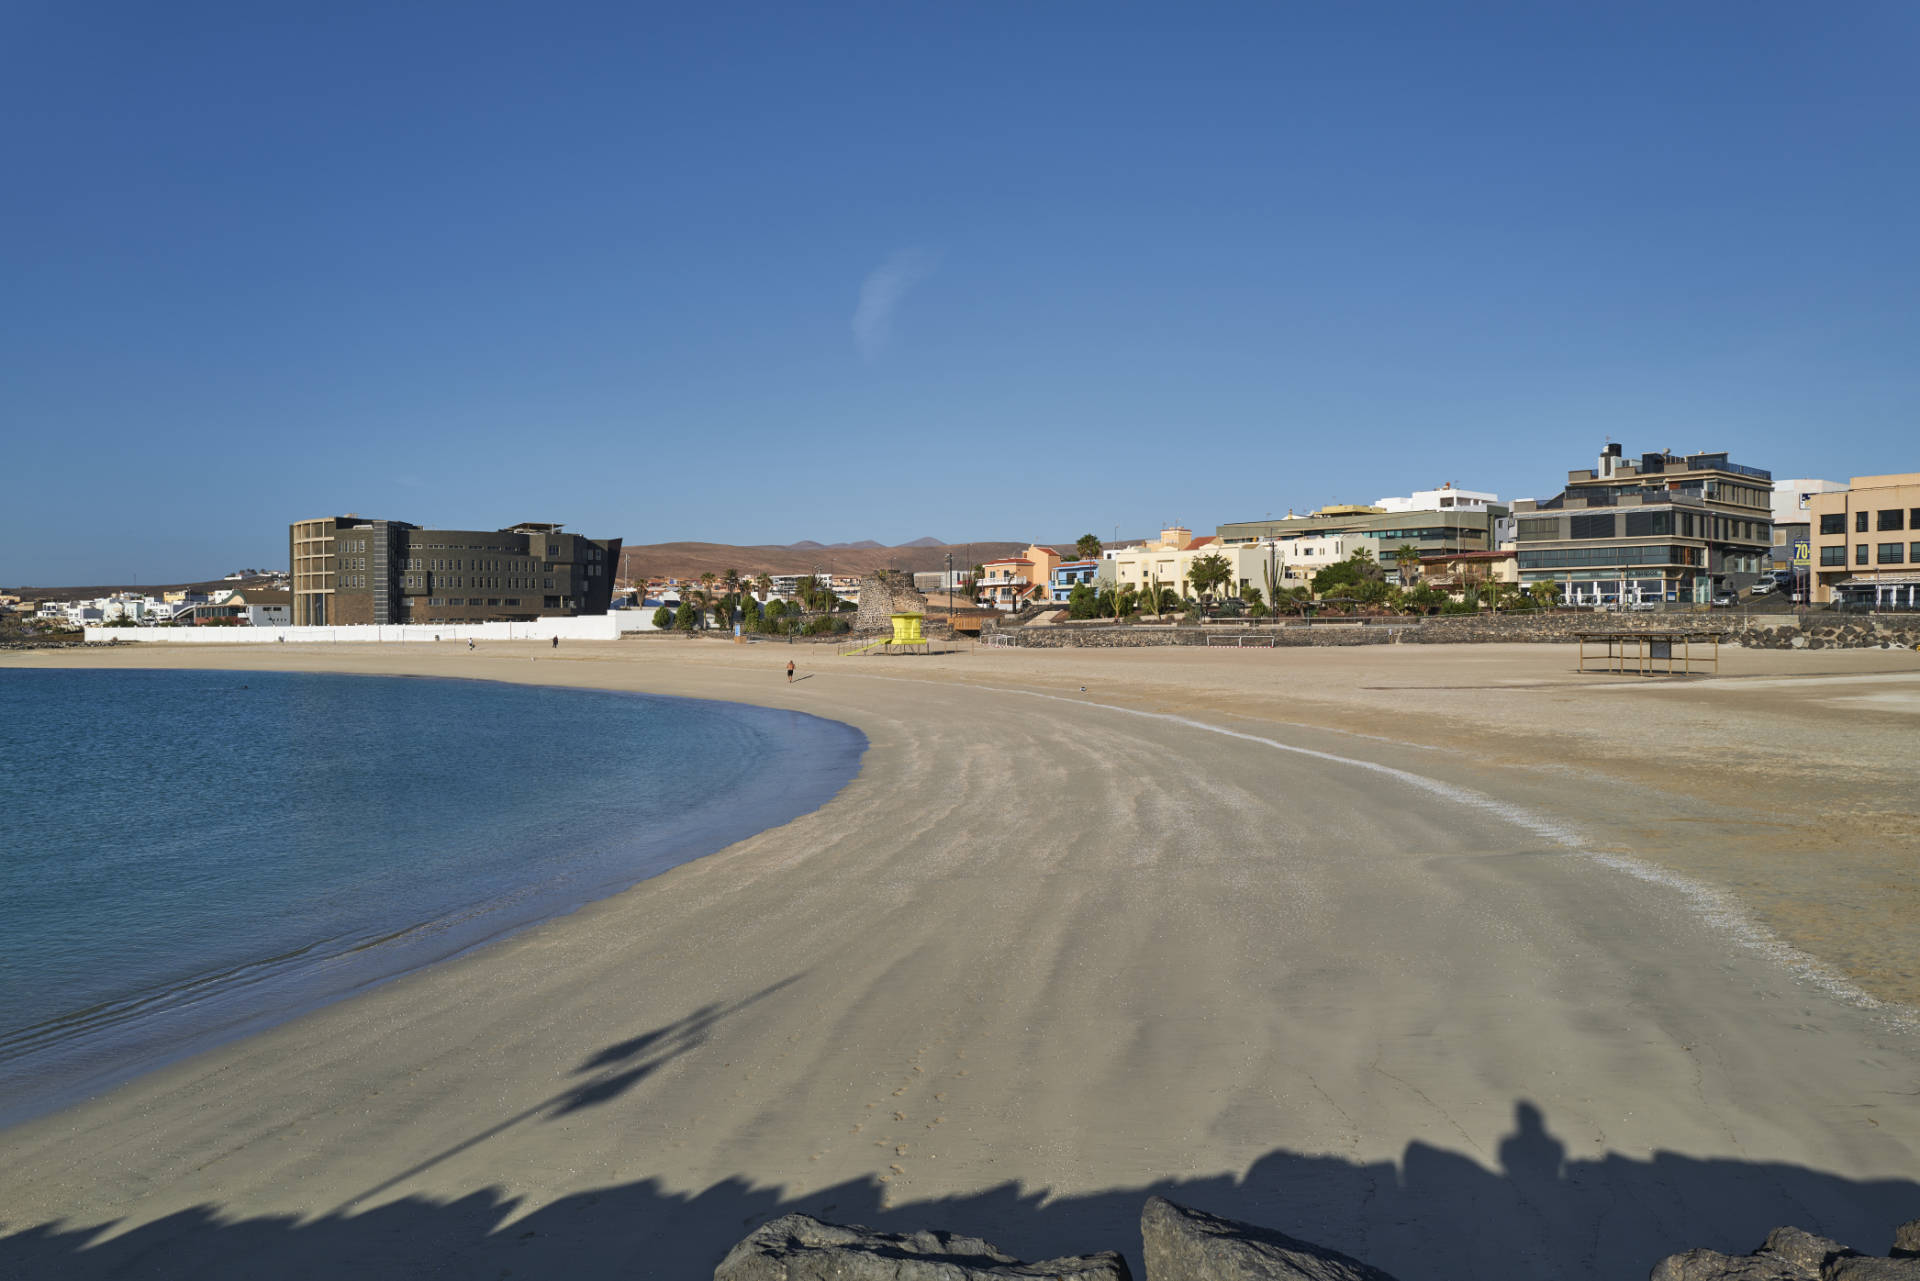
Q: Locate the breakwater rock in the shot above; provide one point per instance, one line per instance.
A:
(797, 1247)
(1181, 1244)
(1792, 1254)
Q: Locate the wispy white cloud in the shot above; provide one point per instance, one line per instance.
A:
(881, 294)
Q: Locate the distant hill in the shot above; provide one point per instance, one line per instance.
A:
(690, 560)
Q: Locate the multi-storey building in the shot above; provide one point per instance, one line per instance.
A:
(347, 570)
(1792, 529)
(1069, 574)
(1866, 542)
(1458, 521)
(1013, 581)
(1668, 527)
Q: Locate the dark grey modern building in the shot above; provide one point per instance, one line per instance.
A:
(1663, 527)
(349, 570)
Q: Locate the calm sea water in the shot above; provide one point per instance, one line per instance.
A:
(189, 856)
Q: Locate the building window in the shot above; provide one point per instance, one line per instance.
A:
(1860, 552)
(1833, 523)
(1648, 524)
(1913, 518)
(1836, 555)
(1859, 522)
(1890, 553)
(1913, 553)
(1889, 518)
(1593, 526)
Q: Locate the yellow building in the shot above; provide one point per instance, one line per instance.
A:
(1013, 581)
(1866, 542)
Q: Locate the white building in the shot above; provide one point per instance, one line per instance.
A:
(1444, 499)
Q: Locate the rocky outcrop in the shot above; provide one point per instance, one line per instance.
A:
(1188, 1245)
(799, 1248)
(1793, 1254)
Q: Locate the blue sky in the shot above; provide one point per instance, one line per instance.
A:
(881, 271)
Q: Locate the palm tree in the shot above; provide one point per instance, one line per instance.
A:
(763, 583)
(732, 579)
(708, 579)
(1407, 557)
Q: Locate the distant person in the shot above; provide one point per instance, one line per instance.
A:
(469, 642)
(556, 642)
(789, 671)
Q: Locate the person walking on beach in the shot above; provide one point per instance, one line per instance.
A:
(556, 642)
(789, 670)
(469, 642)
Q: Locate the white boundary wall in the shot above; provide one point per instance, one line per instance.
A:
(591, 627)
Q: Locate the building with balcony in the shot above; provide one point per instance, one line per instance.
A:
(348, 570)
(1664, 527)
(1013, 581)
(1069, 574)
(1866, 543)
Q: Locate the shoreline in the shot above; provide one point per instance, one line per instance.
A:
(1036, 954)
(114, 1039)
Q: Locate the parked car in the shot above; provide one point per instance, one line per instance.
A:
(1640, 606)
(1764, 586)
(1725, 599)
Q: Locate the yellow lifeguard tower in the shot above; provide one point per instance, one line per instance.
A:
(905, 637)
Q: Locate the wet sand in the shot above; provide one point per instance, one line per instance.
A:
(1447, 957)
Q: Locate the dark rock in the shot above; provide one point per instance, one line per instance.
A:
(1789, 1254)
(798, 1248)
(1906, 1240)
(1711, 1265)
(1802, 1248)
(1855, 1267)
(1188, 1245)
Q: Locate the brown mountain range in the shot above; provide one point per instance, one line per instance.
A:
(690, 560)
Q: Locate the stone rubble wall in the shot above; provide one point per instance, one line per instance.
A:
(884, 593)
(1770, 631)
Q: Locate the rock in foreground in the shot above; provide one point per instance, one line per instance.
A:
(798, 1248)
(1188, 1245)
(1789, 1254)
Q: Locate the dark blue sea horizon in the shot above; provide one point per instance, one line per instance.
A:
(193, 856)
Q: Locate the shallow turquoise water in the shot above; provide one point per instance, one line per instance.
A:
(189, 856)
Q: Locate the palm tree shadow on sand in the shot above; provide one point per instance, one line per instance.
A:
(1432, 1214)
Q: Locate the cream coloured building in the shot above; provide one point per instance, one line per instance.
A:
(1866, 542)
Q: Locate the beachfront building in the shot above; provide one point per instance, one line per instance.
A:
(1456, 521)
(1069, 574)
(1013, 581)
(1664, 527)
(1459, 573)
(349, 570)
(1866, 543)
(1792, 524)
(1445, 498)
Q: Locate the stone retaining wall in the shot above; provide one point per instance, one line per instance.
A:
(1770, 631)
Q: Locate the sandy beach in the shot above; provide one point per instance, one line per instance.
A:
(1446, 957)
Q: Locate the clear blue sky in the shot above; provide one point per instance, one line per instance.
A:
(969, 270)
